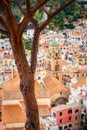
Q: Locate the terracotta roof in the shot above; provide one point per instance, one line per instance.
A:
(12, 84)
(12, 114)
(82, 50)
(37, 85)
(42, 93)
(81, 71)
(80, 82)
(3, 50)
(54, 85)
(62, 63)
(11, 90)
(8, 56)
(43, 110)
(76, 33)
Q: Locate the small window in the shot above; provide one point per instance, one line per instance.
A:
(60, 120)
(60, 127)
(76, 110)
(76, 118)
(70, 125)
(69, 111)
(60, 113)
(70, 118)
(60, 93)
(65, 127)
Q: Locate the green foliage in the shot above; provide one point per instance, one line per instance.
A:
(58, 21)
(84, 127)
(39, 15)
(70, 14)
(27, 44)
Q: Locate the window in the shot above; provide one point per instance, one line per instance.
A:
(70, 118)
(82, 74)
(77, 75)
(65, 127)
(76, 118)
(70, 125)
(76, 110)
(60, 113)
(60, 120)
(60, 93)
(69, 111)
(56, 67)
(60, 127)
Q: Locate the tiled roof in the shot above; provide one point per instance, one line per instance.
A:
(80, 82)
(13, 114)
(62, 63)
(8, 56)
(43, 110)
(12, 84)
(82, 50)
(54, 85)
(11, 90)
(82, 71)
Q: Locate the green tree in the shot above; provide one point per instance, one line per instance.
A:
(72, 13)
(14, 29)
(84, 127)
(27, 44)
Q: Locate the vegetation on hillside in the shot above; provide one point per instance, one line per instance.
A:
(65, 18)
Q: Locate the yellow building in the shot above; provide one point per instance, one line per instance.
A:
(52, 61)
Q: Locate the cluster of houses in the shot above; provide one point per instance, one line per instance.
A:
(60, 80)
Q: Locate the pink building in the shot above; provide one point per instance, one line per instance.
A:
(68, 116)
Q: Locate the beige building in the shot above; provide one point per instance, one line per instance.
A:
(52, 61)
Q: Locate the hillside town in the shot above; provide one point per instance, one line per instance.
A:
(60, 80)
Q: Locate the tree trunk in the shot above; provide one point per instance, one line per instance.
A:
(26, 84)
(32, 116)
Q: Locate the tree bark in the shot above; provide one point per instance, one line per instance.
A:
(26, 84)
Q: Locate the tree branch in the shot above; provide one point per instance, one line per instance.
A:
(62, 8)
(3, 23)
(34, 50)
(28, 5)
(4, 32)
(7, 7)
(19, 6)
(35, 22)
(27, 18)
(50, 16)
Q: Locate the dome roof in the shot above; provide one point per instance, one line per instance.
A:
(54, 43)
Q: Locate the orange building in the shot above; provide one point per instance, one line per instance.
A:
(13, 110)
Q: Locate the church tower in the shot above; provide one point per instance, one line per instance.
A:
(52, 61)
